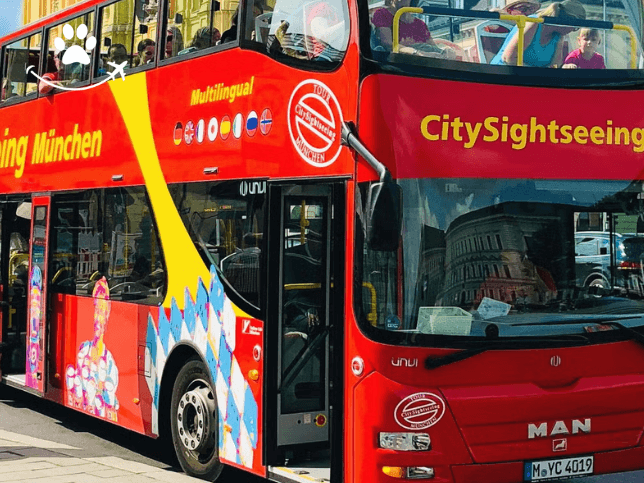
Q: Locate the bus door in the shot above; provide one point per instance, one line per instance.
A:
(15, 229)
(304, 302)
(37, 295)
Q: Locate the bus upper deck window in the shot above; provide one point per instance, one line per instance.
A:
(315, 30)
(577, 34)
(19, 55)
(74, 39)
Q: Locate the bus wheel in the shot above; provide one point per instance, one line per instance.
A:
(193, 418)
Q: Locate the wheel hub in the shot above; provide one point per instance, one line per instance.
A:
(194, 419)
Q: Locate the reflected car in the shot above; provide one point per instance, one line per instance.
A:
(593, 258)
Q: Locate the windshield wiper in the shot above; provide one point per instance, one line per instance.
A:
(510, 343)
(612, 321)
(578, 321)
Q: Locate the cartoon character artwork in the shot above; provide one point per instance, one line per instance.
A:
(92, 384)
(35, 319)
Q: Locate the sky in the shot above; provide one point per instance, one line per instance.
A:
(10, 16)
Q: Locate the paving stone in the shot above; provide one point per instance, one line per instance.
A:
(79, 478)
(8, 455)
(171, 477)
(8, 465)
(24, 466)
(121, 464)
(110, 473)
(129, 479)
(29, 441)
(20, 475)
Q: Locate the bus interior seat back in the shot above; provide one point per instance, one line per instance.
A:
(262, 27)
(300, 267)
(241, 269)
(490, 36)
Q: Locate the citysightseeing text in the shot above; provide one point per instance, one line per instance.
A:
(493, 129)
(48, 148)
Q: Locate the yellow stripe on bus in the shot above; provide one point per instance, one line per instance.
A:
(183, 263)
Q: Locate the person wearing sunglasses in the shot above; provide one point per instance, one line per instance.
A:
(543, 43)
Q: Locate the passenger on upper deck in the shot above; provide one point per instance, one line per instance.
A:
(204, 37)
(174, 42)
(146, 49)
(543, 44)
(230, 35)
(586, 56)
(54, 78)
(117, 53)
(414, 34)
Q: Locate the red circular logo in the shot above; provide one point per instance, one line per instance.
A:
(315, 123)
(419, 411)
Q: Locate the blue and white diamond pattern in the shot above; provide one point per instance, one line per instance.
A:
(209, 324)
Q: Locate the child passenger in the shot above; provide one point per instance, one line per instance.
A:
(586, 57)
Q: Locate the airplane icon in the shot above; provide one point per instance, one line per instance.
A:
(118, 69)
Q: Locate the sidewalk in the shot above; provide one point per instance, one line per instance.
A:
(32, 460)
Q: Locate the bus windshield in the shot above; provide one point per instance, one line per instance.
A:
(572, 34)
(508, 258)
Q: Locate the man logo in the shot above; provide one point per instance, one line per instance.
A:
(559, 427)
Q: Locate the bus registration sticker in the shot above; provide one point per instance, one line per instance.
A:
(315, 123)
(419, 411)
(556, 469)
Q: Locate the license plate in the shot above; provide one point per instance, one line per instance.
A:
(556, 469)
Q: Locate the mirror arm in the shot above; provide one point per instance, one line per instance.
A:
(350, 139)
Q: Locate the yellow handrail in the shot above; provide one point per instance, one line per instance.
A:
(302, 286)
(372, 316)
(396, 27)
(633, 41)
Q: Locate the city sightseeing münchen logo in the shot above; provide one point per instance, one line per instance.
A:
(75, 55)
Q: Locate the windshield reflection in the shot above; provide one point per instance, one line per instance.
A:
(509, 258)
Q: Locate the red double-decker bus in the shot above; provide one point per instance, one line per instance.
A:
(353, 241)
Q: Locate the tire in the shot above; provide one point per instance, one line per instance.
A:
(194, 422)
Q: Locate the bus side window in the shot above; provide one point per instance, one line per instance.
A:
(315, 30)
(225, 221)
(258, 20)
(79, 46)
(203, 33)
(18, 56)
(115, 37)
(133, 263)
(111, 234)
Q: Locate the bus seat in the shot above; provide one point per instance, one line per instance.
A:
(262, 27)
(461, 54)
(489, 36)
(17, 261)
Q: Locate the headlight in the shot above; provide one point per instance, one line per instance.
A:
(405, 441)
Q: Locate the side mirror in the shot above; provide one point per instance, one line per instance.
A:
(384, 216)
(107, 41)
(143, 29)
(216, 6)
(178, 19)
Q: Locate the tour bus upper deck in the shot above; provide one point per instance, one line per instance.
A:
(477, 36)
